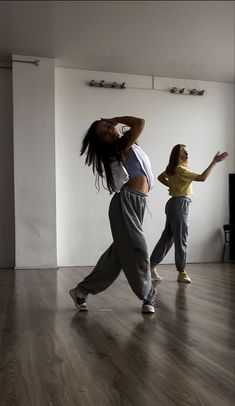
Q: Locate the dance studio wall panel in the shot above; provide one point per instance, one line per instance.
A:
(204, 123)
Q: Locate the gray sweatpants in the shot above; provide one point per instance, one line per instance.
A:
(175, 231)
(129, 250)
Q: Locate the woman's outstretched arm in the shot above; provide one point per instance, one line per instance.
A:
(217, 158)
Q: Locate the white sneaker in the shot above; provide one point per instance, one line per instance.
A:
(79, 299)
(183, 277)
(155, 275)
(148, 307)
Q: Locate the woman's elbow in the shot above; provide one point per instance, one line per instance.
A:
(200, 178)
(141, 122)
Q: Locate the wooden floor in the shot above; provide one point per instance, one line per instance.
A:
(53, 355)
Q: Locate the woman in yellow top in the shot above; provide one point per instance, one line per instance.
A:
(178, 178)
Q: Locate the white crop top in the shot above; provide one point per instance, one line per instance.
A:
(119, 172)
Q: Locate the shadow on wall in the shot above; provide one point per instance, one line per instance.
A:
(215, 242)
(223, 243)
(7, 220)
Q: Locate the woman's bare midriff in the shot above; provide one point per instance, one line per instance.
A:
(139, 183)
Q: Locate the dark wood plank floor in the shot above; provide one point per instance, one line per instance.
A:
(53, 355)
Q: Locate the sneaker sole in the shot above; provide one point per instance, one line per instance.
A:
(156, 279)
(184, 281)
(82, 307)
(147, 309)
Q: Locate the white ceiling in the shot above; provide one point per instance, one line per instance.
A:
(181, 39)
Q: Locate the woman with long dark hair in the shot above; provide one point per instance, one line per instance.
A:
(118, 161)
(178, 179)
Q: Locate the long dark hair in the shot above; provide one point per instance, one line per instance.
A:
(174, 159)
(99, 155)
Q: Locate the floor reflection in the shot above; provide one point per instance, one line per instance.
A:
(122, 357)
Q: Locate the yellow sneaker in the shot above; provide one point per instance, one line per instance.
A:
(183, 277)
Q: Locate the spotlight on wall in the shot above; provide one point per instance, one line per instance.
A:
(112, 85)
(187, 91)
(193, 91)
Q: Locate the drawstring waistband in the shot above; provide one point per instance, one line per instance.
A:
(127, 188)
(133, 191)
(148, 208)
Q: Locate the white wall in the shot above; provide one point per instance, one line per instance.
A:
(7, 228)
(34, 163)
(204, 123)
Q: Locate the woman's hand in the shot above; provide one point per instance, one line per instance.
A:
(220, 157)
(217, 158)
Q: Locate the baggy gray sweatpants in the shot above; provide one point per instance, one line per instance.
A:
(175, 231)
(129, 250)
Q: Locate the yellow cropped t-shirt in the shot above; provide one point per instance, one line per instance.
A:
(180, 184)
